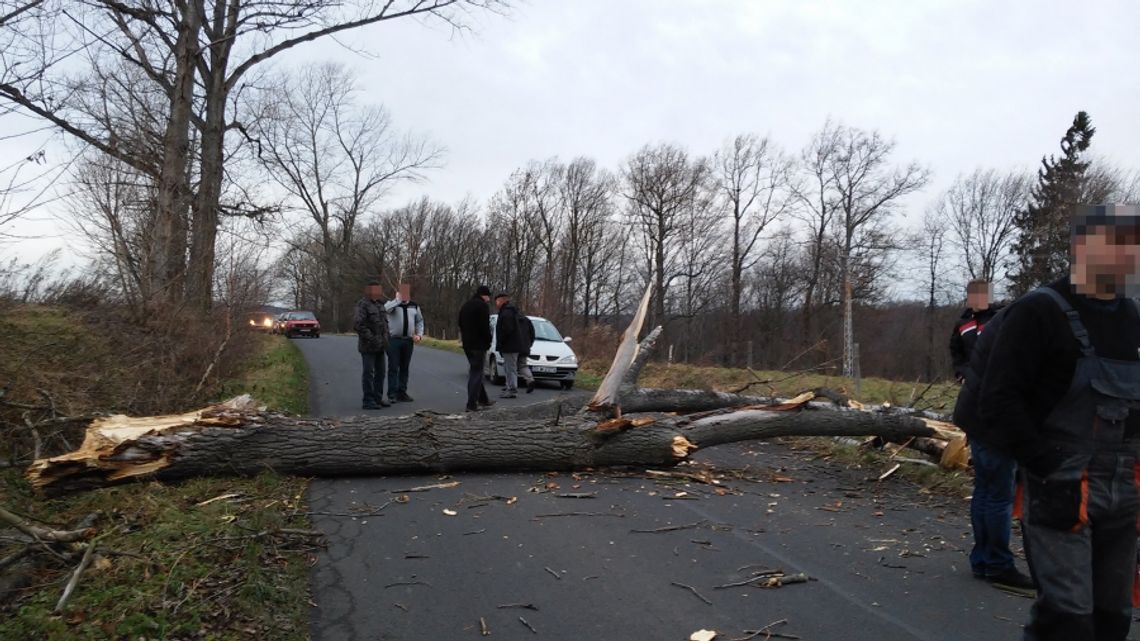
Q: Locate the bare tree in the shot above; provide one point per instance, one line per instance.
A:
(334, 158)
(112, 207)
(933, 240)
(661, 184)
(1129, 191)
(700, 269)
(815, 194)
(867, 189)
(774, 284)
(586, 194)
(541, 183)
(198, 54)
(752, 179)
(25, 180)
(981, 208)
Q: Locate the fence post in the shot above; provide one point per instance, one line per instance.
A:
(858, 372)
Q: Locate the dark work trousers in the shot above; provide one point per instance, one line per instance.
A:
(991, 510)
(372, 378)
(1080, 517)
(399, 360)
(1084, 573)
(476, 393)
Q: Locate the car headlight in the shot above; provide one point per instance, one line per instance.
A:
(570, 360)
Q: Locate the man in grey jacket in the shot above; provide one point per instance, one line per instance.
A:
(405, 329)
(372, 340)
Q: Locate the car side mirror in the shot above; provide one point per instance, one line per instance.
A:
(566, 339)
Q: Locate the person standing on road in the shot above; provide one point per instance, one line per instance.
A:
(371, 328)
(509, 343)
(991, 504)
(969, 326)
(526, 335)
(1061, 394)
(405, 329)
(475, 335)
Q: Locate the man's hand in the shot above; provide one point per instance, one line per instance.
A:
(417, 338)
(396, 295)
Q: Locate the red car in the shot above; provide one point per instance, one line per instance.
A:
(301, 324)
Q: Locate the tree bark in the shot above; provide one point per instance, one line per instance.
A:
(204, 227)
(235, 439)
(168, 251)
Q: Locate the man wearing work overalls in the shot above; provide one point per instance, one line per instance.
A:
(1061, 394)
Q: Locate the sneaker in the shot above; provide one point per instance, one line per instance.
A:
(486, 403)
(370, 406)
(530, 386)
(404, 398)
(383, 403)
(1013, 580)
(508, 395)
(474, 409)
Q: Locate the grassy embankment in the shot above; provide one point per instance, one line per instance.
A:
(204, 559)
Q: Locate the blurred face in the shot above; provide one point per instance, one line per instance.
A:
(372, 292)
(978, 297)
(500, 301)
(1105, 262)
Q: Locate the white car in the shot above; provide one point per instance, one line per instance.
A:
(550, 357)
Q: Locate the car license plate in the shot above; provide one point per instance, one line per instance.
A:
(544, 370)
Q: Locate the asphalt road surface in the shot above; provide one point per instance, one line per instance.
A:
(621, 555)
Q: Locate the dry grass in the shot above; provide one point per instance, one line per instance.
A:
(172, 568)
(938, 397)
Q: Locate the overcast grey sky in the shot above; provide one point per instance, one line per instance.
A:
(958, 84)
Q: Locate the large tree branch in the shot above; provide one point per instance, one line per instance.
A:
(417, 9)
(18, 11)
(13, 94)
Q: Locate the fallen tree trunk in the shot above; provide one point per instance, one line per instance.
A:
(236, 439)
(621, 425)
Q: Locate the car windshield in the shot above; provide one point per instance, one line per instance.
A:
(544, 331)
(302, 316)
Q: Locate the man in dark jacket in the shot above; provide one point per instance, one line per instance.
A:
(371, 326)
(526, 335)
(991, 504)
(969, 327)
(508, 342)
(1061, 394)
(475, 334)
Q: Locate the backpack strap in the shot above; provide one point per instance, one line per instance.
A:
(1075, 324)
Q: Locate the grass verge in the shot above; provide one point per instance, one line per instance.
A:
(277, 376)
(208, 558)
(938, 397)
(169, 567)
